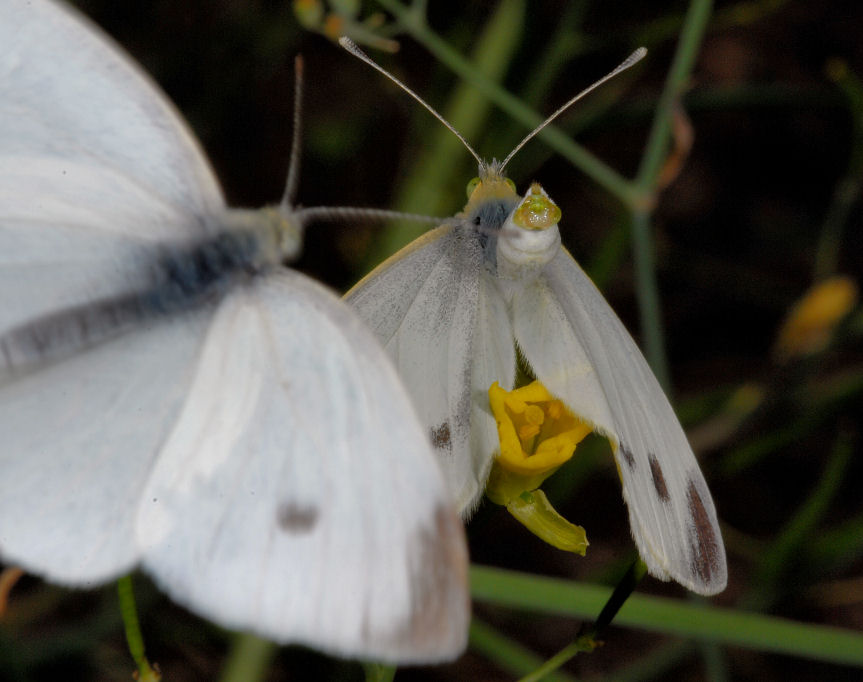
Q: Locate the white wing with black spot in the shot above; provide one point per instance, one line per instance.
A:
(296, 496)
(436, 317)
(254, 450)
(583, 354)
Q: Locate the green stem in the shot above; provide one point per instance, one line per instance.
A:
(511, 656)
(847, 189)
(694, 27)
(778, 558)
(590, 165)
(588, 639)
(249, 659)
(134, 639)
(377, 672)
(669, 616)
(428, 186)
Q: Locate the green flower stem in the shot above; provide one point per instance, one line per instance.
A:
(580, 645)
(598, 171)
(694, 27)
(847, 189)
(135, 640)
(622, 591)
(509, 654)
(427, 187)
(779, 556)
(669, 616)
(377, 672)
(589, 637)
(249, 659)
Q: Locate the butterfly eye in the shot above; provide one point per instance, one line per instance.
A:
(472, 185)
(510, 184)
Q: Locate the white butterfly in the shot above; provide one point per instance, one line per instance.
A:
(171, 397)
(454, 307)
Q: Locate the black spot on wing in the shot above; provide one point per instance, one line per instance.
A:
(441, 437)
(704, 553)
(628, 457)
(295, 518)
(658, 478)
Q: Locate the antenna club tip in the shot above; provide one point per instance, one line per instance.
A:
(639, 54)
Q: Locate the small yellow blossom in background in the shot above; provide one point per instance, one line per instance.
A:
(336, 18)
(809, 327)
(537, 435)
(8, 577)
(310, 13)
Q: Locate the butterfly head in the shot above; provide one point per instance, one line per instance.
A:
(491, 197)
(278, 231)
(490, 185)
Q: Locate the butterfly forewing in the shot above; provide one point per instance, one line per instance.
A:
(423, 308)
(608, 382)
(54, 63)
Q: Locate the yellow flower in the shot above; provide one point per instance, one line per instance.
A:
(537, 432)
(813, 319)
(537, 435)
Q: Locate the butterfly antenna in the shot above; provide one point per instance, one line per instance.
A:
(352, 47)
(631, 60)
(294, 163)
(351, 214)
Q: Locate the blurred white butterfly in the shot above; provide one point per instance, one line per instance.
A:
(454, 307)
(171, 397)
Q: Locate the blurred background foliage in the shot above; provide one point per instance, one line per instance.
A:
(753, 205)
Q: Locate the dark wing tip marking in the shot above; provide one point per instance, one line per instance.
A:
(296, 519)
(628, 457)
(703, 544)
(437, 627)
(658, 478)
(441, 437)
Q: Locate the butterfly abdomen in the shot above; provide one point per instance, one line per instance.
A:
(186, 277)
(181, 279)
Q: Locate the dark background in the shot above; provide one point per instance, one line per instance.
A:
(736, 235)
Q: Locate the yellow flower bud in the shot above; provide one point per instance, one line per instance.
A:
(811, 322)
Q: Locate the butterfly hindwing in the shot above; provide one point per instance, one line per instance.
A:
(80, 439)
(354, 547)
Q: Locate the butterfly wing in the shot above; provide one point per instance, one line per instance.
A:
(95, 167)
(427, 307)
(298, 447)
(581, 351)
(70, 95)
(79, 440)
